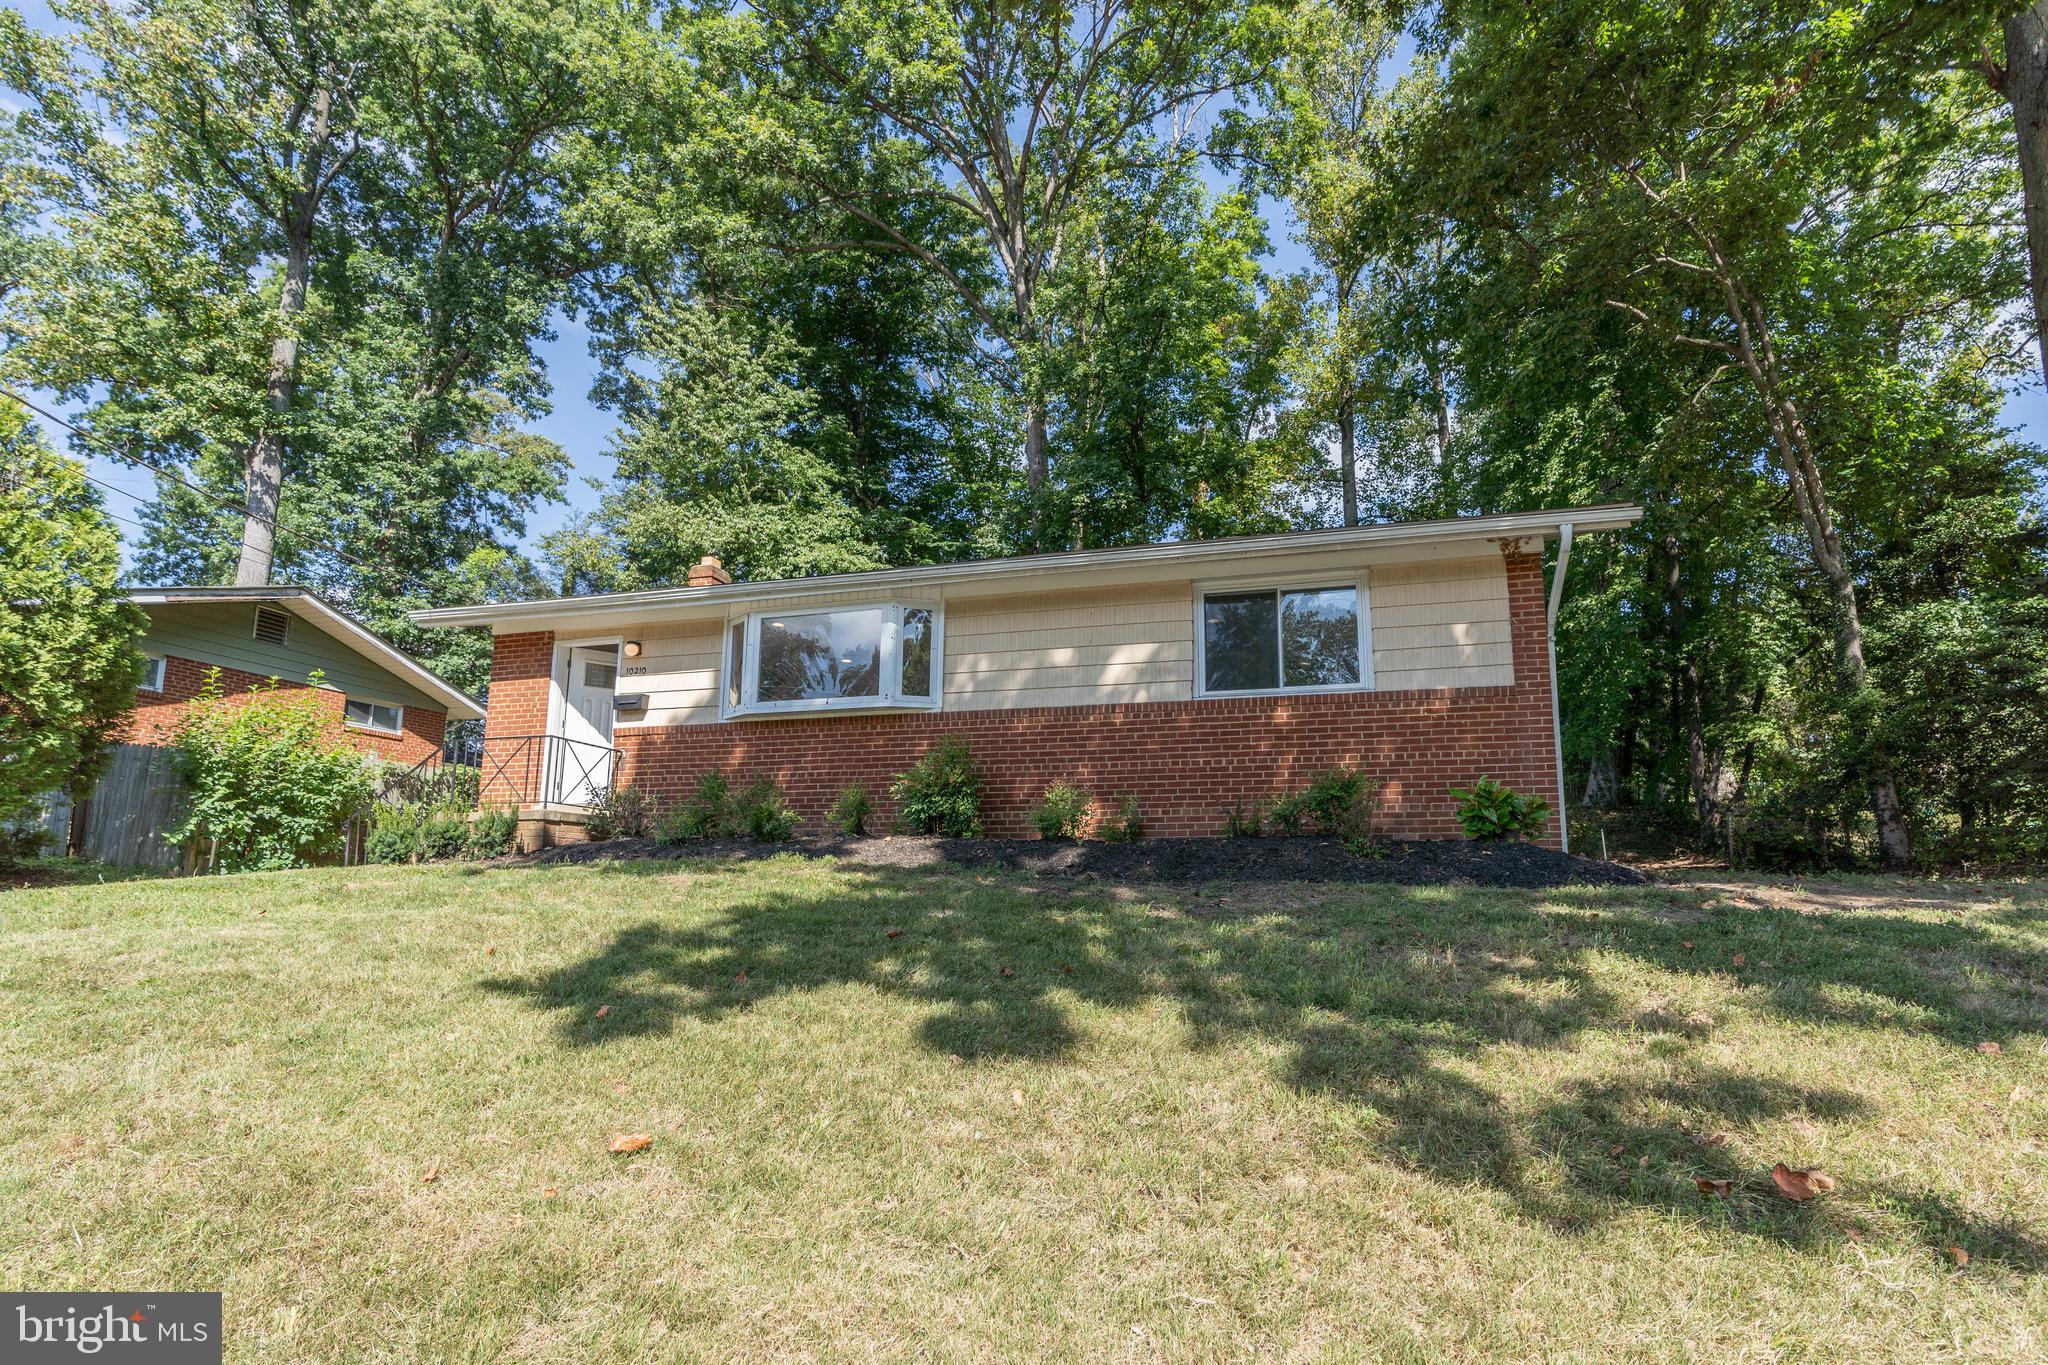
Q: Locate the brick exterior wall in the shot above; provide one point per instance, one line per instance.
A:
(518, 709)
(156, 714)
(1185, 761)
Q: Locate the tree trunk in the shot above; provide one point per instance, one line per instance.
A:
(263, 479)
(2024, 81)
(1347, 456)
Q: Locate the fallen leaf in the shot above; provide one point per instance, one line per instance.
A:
(1720, 1189)
(1739, 959)
(1800, 1186)
(1717, 1138)
(741, 978)
(1067, 967)
(895, 933)
(547, 1191)
(1016, 1097)
(1686, 944)
(1617, 1149)
(631, 1142)
(490, 950)
(1989, 1049)
(1008, 971)
(1959, 1256)
(603, 1011)
(433, 1174)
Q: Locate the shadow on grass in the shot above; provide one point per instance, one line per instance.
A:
(1397, 1001)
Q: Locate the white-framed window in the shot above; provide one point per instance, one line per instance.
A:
(834, 658)
(374, 715)
(152, 673)
(1311, 636)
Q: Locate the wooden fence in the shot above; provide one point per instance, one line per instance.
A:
(123, 824)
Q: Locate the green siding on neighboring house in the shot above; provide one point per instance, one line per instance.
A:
(221, 633)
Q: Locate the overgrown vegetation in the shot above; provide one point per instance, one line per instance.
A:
(700, 815)
(711, 810)
(268, 783)
(762, 812)
(1492, 810)
(941, 792)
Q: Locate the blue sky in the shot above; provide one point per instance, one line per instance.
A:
(585, 432)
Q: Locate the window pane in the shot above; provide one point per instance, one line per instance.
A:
(826, 654)
(1319, 637)
(917, 652)
(1240, 646)
(736, 664)
(370, 714)
(600, 677)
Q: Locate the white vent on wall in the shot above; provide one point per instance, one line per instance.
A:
(272, 626)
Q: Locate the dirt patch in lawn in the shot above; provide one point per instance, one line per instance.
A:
(1445, 862)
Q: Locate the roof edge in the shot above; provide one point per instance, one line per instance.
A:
(365, 642)
(1604, 517)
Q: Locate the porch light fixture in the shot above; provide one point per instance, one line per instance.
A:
(632, 649)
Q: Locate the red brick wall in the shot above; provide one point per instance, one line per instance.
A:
(157, 714)
(1185, 761)
(520, 665)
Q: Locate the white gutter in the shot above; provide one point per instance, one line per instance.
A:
(1564, 559)
(593, 607)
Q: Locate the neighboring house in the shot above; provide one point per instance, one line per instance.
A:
(1194, 675)
(382, 701)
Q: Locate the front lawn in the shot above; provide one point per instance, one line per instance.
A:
(935, 1114)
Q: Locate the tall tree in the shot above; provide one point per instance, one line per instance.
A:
(1008, 119)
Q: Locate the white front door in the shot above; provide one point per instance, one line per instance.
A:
(583, 758)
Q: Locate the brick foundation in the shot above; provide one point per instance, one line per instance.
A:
(1185, 761)
(156, 714)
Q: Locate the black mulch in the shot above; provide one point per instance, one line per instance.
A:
(1440, 862)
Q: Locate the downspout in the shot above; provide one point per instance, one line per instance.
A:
(1564, 559)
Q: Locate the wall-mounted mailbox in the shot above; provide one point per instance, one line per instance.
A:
(629, 701)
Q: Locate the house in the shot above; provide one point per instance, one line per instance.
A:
(384, 703)
(1193, 675)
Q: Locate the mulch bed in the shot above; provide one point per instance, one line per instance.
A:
(1443, 862)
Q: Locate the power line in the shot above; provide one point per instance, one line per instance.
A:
(93, 439)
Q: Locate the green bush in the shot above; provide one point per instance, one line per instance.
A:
(941, 793)
(1289, 814)
(1490, 810)
(444, 836)
(1341, 802)
(762, 812)
(22, 838)
(491, 833)
(394, 835)
(617, 813)
(1244, 821)
(700, 815)
(266, 779)
(1063, 813)
(1127, 826)
(850, 811)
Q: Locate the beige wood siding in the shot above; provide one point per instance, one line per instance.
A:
(1442, 624)
(1071, 649)
(681, 680)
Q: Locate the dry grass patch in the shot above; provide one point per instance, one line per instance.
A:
(967, 1117)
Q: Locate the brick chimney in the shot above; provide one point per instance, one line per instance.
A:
(708, 572)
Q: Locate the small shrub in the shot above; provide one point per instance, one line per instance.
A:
(23, 839)
(617, 813)
(1127, 826)
(1063, 813)
(1289, 814)
(491, 833)
(700, 815)
(1491, 810)
(762, 812)
(941, 793)
(1242, 821)
(850, 811)
(1336, 800)
(394, 835)
(444, 836)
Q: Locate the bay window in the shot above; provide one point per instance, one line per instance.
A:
(842, 658)
(1287, 639)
